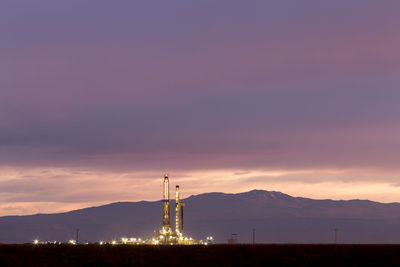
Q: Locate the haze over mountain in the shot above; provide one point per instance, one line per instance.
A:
(277, 217)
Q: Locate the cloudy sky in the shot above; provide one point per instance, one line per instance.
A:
(99, 98)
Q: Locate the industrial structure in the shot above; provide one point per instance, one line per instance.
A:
(167, 236)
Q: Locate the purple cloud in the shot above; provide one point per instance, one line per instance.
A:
(127, 86)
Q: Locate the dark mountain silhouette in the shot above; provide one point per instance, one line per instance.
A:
(277, 218)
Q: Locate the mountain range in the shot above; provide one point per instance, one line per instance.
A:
(276, 218)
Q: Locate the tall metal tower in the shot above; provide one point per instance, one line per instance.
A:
(336, 235)
(166, 226)
(181, 204)
(177, 224)
(178, 211)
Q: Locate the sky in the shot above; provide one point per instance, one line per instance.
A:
(98, 99)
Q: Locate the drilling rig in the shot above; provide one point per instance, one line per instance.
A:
(166, 235)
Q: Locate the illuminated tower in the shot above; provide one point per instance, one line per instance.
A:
(166, 219)
(181, 205)
(177, 224)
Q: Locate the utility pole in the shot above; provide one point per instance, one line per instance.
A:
(77, 236)
(336, 235)
(254, 236)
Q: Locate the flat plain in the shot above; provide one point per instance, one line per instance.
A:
(212, 255)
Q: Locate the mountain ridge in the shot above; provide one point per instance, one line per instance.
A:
(258, 191)
(278, 217)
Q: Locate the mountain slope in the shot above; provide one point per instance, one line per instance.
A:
(277, 217)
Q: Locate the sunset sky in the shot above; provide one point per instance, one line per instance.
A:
(99, 98)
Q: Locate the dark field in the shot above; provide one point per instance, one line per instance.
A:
(215, 255)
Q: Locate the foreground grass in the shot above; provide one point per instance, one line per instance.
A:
(215, 255)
